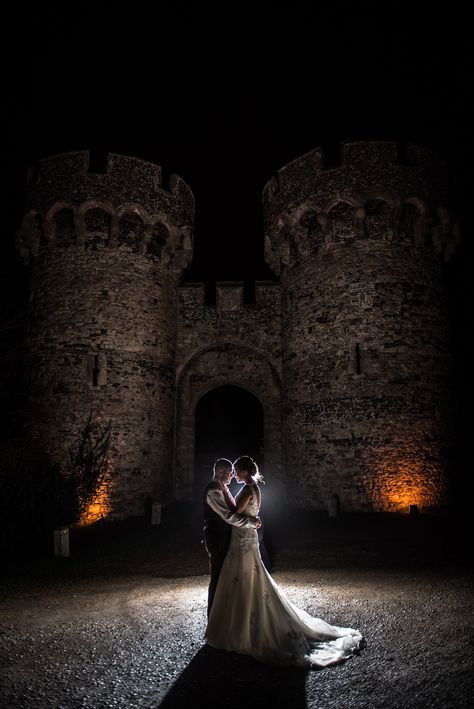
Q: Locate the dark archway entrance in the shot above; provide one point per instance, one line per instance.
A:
(229, 423)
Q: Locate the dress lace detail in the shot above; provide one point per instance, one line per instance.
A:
(251, 615)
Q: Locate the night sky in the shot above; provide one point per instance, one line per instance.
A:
(225, 97)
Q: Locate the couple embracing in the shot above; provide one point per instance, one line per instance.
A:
(247, 612)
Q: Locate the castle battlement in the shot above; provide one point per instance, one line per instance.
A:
(126, 180)
(75, 164)
(372, 195)
(125, 206)
(230, 296)
(367, 160)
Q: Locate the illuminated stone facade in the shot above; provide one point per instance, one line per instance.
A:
(107, 252)
(365, 346)
(349, 355)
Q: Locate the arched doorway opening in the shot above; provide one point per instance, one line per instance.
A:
(228, 423)
(208, 370)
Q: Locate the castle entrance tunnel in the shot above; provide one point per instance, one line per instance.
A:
(228, 424)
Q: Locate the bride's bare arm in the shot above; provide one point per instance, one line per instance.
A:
(228, 498)
(243, 498)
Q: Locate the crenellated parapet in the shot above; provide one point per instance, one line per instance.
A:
(229, 297)
(371, 196)
(126, 207)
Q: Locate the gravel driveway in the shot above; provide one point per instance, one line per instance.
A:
(121, 623)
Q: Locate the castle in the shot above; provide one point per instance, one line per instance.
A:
(349, 355)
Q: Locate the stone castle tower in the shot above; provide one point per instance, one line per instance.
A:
(107, 252)
(366, 354)
(349, 355)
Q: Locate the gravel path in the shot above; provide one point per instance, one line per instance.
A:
(129, 632)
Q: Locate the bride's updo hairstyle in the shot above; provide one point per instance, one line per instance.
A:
(247, 464)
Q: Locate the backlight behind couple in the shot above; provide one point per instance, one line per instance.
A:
(247, 612)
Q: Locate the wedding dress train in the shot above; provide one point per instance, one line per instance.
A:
(252, 616)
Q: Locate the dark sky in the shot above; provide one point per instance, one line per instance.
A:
(224, 97)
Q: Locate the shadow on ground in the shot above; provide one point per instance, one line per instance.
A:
(201, 679)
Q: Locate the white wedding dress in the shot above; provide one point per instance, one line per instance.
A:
(251, 615)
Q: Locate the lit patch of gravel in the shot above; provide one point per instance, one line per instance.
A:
(137, 641)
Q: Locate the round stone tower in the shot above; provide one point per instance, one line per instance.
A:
(106, 252)
(366, 353)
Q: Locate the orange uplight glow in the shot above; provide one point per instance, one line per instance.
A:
(406, 475)
(99, 507)
(406, 488)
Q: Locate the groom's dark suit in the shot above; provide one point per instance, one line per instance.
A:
(218, 519)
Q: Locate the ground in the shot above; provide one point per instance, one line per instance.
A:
(121, 622)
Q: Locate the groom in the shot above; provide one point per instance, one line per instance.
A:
(218, 516)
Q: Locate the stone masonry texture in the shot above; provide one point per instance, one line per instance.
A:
(349, 354)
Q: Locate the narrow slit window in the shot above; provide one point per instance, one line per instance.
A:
(357, 358)
(95, 372)
(94, 369)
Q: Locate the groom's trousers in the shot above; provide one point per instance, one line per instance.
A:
(216, 542)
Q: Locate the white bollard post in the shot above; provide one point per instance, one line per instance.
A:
(61, 541)
(156, 513)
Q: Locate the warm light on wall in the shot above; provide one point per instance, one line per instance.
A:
(99, 507)
(407, 473)
(405, 488)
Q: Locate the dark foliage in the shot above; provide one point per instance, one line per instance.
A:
(87, 470)
(39, 495)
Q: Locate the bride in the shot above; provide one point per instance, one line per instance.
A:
(250, 613)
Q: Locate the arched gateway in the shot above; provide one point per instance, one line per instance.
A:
(215, 366)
